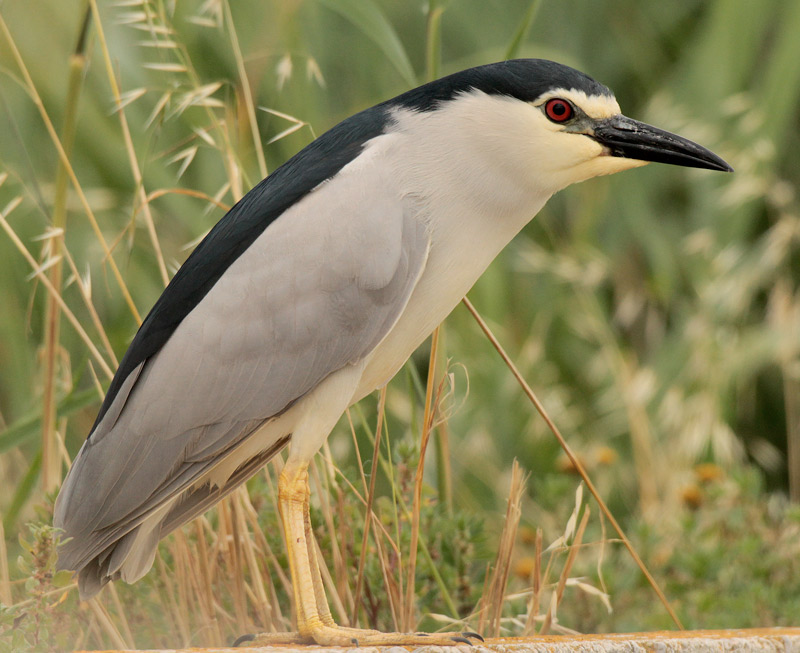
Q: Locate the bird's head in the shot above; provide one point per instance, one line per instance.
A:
(577, 135)
(541, 123)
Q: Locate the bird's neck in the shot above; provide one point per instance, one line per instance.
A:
(471, 215)
(473, 197)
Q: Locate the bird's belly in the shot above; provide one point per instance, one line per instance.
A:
(390, 355)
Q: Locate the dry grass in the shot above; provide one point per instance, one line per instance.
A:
(494, 595)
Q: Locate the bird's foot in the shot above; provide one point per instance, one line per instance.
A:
(333, 635)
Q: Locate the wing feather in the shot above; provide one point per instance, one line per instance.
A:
(317, 291)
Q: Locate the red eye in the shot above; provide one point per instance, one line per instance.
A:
(558, 110)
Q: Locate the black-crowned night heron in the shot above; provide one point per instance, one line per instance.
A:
(314, 290)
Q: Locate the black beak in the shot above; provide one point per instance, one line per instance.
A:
(636, 140)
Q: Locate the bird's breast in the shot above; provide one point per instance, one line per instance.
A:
(464, 241)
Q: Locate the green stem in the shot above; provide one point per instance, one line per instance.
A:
(51, 468)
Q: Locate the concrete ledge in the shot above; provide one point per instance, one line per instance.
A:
(760, 640)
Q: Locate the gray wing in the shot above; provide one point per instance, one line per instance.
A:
(318, 290)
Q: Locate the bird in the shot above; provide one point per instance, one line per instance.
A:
(312, 292)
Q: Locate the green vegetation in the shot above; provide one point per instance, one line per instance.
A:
(656, 313)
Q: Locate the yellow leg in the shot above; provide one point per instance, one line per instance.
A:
(321, 600)
(314, 621)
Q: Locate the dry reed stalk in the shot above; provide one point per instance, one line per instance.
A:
(248, 95)
(218, 576)
(408, 620)
(226, 562)
(173, 611)
(548, 617)
(494, 596)
(122, 620)
(249, 549)
(106, 624)
(236, 569)
(551, 617)
(277, 620)
(182, 573)
(205, 590)
(444, 468)
(60, 444)
(230, 159)
(444, 472)
(257, 556)
(339, 590)
(189, 192)
(480, 610)
(94, 632)
(361, 473)
(84, 634)
(392, 575)
(602, 554)
(133, 161)
(536, 586)
(213, 556)
(370, 500)
(408, 515)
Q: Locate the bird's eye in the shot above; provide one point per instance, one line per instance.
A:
(558, 110)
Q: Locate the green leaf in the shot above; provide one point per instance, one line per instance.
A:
(368, 17)
(62, 578)
(522, 30)
(24, 544)
(23, 566)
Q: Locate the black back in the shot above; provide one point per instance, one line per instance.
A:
(525, 79)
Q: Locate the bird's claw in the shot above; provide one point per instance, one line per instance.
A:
(469, 634)
(242, 639)
(462, 638)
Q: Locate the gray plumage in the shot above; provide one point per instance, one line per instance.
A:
(277, 323)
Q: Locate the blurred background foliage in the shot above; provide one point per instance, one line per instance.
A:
(657, 313)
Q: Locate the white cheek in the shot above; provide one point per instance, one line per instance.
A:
(556, 159)
(596, 166)
(608, 165)
(573, 150)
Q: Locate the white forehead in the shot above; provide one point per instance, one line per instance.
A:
(594, 106)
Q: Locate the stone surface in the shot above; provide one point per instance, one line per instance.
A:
(762, 640)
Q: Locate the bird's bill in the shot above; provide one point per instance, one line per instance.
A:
(625, 137)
